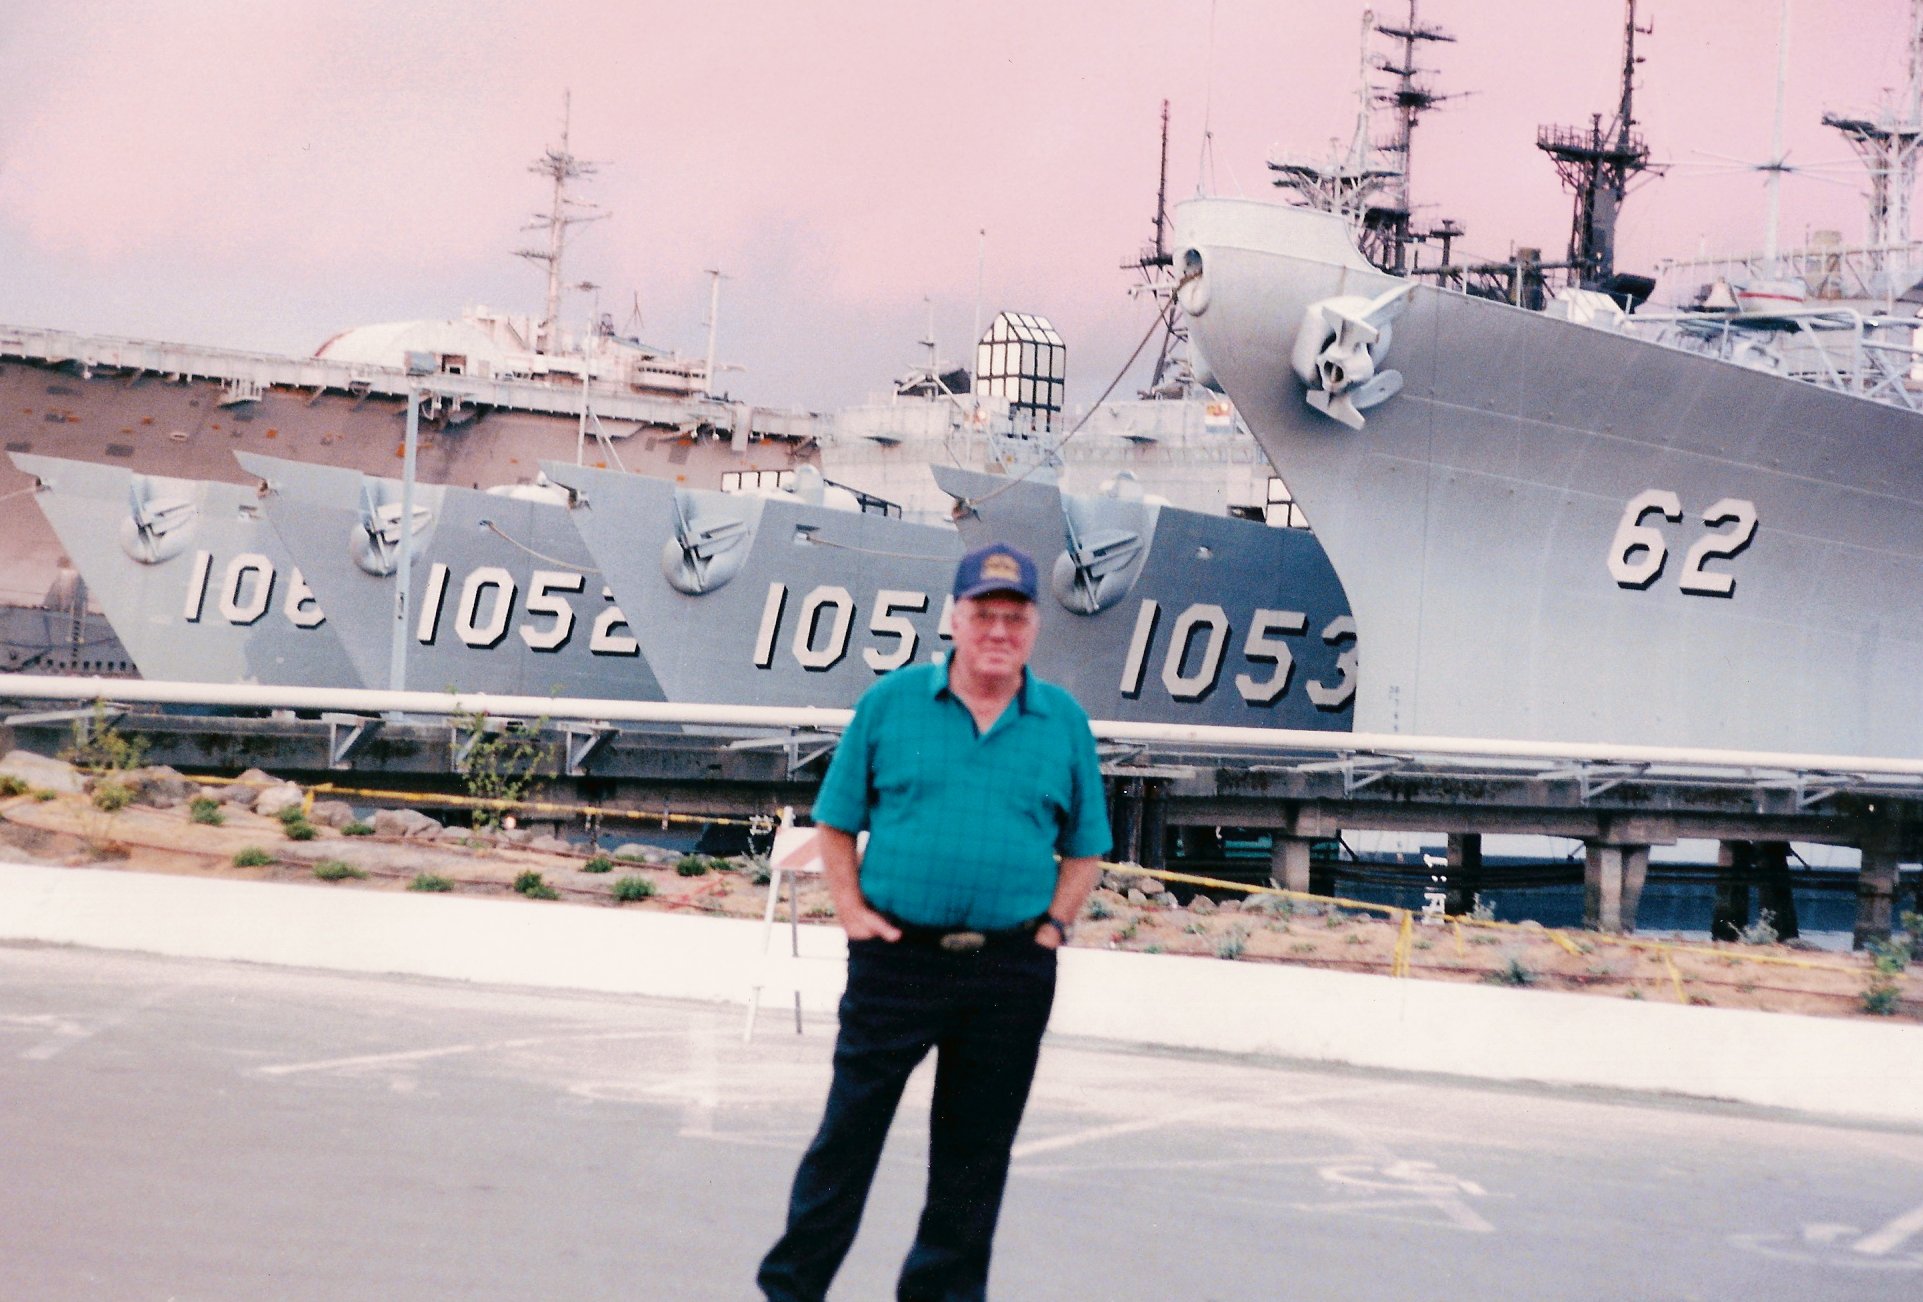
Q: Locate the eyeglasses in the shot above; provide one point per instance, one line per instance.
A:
(1015, 621)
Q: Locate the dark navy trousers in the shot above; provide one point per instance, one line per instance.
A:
(983, 1014)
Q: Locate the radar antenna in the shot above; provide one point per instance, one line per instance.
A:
(1888, 143)
(1596, 164)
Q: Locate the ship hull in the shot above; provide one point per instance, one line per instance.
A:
(1557, 533)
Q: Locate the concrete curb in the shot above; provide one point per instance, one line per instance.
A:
(1831, 1066)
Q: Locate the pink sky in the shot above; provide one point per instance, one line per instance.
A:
(261, 175)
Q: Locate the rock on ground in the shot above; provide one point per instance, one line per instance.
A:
(404, 822)
(282, 795)
(159, 786)
(43, 772)
(331, 813)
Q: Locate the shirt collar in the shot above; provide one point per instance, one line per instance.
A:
(1027, 699)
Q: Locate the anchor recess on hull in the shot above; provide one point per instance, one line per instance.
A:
(1338, 349)
(1107, 545)
(157, 527)
(711, 540)
(376, 542)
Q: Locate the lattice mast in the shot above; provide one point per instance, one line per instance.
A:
(1888, 144)
(1410, 99)
(1597, 163)
(560, 166)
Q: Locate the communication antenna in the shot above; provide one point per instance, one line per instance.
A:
(1887, 142)
(1597, 163)
(560, 166)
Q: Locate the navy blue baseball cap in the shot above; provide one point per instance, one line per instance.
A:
(996, 568)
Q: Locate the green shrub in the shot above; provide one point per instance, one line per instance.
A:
(691, 865)
(43, 795)
(11, 785)
(300, 829)
(430, 882)
(535, 886)
(335, 870)
(1098, 908)
(109, 797)
(1887, 961)
(630, 889)
(205, 809)
(1514, 974)
(296, 813)
(600, 863)
(1232, 945)
(358, 828)
(252, 856)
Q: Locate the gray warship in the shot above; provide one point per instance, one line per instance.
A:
(1564, 519)
(616, 586)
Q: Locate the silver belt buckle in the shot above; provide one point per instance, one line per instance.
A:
(964, 942)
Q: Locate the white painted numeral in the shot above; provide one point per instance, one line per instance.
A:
(1261, 647)
(824, 598)
(886, 623)
(475, 631)
(544, 598)
(1740, 516)
(246, 609)
(301, 609)
(1333, 696)
(1633, 536)
(1197, 685)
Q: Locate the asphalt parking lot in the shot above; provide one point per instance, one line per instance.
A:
(193, 1129)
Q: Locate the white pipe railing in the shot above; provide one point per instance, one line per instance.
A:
(28, 687)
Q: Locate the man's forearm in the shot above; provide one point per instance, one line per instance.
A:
(842, 874)
(1073, 882)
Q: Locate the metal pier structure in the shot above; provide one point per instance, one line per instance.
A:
(1301, 788)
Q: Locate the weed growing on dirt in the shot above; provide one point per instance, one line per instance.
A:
(1885, 984)
(691, 865)
(336, 870)
(299, 829)
(430, 882)
(43, 796)
(205, 809)
(1098, 909)
(252, 856)
(1512, 973)
(1232, 945)
(630, 889)
(501, 765)
(535, 886)
(291, 814)
(11, 785)
(110, 797)
(358, 828)
(600, 863)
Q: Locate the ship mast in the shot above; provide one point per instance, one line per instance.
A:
(1888, 144)
(1596, 164)
(560, 166)
(1410, 100)
(1374, 191)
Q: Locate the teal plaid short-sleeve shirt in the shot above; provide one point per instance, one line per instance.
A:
(964, 827)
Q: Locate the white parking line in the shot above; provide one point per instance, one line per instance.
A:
(453, 1050)
(1891, 1236)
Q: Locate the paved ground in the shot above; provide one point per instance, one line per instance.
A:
(176, 1129)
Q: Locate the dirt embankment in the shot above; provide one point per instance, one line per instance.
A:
(1131, 910)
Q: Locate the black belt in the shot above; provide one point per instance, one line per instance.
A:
(955, 941)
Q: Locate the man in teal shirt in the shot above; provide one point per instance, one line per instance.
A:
(978, 786)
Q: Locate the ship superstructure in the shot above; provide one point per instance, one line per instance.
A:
(1582, 523)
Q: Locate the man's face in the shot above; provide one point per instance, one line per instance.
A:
(995, 634)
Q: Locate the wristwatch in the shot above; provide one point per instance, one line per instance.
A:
(1050, 920)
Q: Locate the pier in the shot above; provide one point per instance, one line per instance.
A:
(1299, 791)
